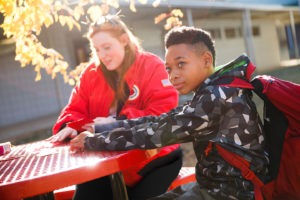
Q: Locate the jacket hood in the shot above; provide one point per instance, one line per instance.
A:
(235, 73)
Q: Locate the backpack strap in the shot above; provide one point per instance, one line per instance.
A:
(243, 165)
(235, 82)
(275, 124)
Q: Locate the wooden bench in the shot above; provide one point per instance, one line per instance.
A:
(186, 175)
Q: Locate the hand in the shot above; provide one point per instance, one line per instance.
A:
(77, 143)
(65, 133)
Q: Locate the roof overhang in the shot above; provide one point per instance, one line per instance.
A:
(231, 5)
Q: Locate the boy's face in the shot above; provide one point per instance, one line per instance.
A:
(187, 69)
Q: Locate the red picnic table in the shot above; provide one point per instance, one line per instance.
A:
(40, 167)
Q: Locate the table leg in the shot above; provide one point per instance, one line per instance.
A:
(118, 186)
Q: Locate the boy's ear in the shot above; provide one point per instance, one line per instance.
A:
(208, 59)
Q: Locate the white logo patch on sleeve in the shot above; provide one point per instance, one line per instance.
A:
(166, 82)
(134, 93)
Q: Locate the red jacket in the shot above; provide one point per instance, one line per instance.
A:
(150, 94)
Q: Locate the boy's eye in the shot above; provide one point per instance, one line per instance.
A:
(180, 64)
(106, 47)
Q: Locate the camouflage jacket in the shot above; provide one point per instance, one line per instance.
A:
(217, 113)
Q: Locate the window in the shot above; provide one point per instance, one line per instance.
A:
(230, 32)
(82, 50)
(215, 33)
(255, 31)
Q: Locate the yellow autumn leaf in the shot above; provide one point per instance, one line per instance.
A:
(70, 23)
(57, 68)
(177, 13)
(106, 7)
(38, 77)
(55, 17)
(160, 17)
(62, 20)
(71, 82)
(94, 12)
(143, 1)
(37, 68)
(6, 7)
(78, 12)
(156, 3)
(49, 62)
(64, 65)
(167, 26)
(77, 26)
(132, 6)
(112, 3)
(53, 75)
(58, 5)
(48, 21)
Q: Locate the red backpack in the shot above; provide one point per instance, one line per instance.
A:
(282, 128)
(281, 100)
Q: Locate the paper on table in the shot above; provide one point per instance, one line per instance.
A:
(5, 148)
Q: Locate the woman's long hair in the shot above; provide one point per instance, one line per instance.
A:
(113, 25)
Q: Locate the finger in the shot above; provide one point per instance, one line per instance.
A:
(53, 138)
(74, 142)
(76, 150)
(65, 134)
(75, 146)
(77, 142)
(62, 136)
(73, 134)
(73, 149)
(49, 138)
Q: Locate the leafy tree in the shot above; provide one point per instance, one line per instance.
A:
(24, 20)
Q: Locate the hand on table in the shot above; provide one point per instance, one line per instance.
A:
(77, 143)
(65, 133)
(69, 132)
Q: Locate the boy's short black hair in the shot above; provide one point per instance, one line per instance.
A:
(190, 35)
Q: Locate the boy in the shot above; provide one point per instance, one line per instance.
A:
(216, 115)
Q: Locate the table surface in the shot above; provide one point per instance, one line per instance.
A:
(41, 167)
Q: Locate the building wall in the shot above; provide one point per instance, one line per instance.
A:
(226, 48)
(150, 35)
(266, 44)
(21, 97)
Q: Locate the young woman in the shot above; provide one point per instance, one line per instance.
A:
(122, 82)
(217, 117)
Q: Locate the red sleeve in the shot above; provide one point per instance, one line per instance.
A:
(77, 107)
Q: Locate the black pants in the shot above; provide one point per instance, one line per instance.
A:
(189, 191)
(157, 177)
